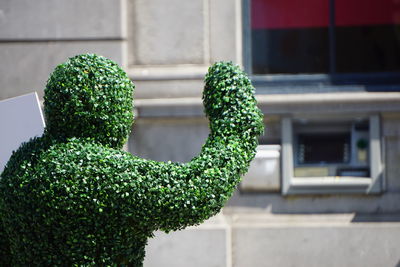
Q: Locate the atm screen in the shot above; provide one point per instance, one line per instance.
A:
(323, 148)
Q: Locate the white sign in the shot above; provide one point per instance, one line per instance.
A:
(20, 119)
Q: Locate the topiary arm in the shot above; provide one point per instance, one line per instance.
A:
(187, 194)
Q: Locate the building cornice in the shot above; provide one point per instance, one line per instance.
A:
(348, 102)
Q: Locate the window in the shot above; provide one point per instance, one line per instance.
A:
(290, 36)
(331, 155)
(332, 41)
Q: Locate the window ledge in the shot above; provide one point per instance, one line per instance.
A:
(343, 102)
(353, 97)
(161, 73)
(330, 98)
(326, 185)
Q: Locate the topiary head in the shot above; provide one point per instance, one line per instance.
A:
(89, 96)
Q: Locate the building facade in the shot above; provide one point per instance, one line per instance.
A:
(324, 189)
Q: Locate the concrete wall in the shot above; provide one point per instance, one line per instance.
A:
(167, 60)
(327, 241)
(244, 240)
(35, 36)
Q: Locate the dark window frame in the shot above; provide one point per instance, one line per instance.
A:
(304, 83)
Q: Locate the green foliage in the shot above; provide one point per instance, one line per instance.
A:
(5, 254)
(70, 199)
(89, 96)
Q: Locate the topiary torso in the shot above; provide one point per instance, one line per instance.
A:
(74, 198)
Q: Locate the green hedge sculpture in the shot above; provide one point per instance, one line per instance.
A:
(73, 198)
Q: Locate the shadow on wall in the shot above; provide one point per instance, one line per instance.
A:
(277, 204)
(376, 218)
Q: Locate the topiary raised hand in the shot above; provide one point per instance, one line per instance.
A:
(73, 198)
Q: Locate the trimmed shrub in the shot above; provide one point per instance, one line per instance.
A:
(72, 198)
(89, 96)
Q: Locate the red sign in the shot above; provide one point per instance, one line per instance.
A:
(282, 14)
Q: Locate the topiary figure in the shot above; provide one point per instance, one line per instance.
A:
(73, 198)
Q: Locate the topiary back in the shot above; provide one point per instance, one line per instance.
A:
(70, 198)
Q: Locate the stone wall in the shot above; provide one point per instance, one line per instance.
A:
(35, 36)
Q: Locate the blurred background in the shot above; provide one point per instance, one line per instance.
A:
(324, 188)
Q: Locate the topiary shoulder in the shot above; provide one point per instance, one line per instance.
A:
(73, 198)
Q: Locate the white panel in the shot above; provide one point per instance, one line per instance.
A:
(20, 119)
(264, 171)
